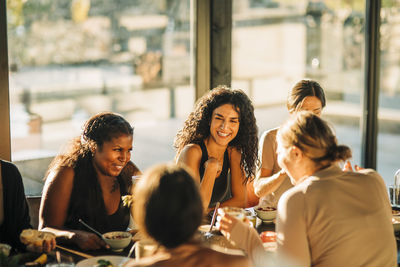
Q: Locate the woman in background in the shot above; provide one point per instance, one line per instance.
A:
(87, 181)
(271, 182)
(168, 208)
(218, 143)
(331, 217)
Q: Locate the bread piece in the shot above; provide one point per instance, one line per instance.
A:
(35, 237)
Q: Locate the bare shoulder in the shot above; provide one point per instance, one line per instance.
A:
(234, 153)
(190, 152)
(269, 135)
(61, 177)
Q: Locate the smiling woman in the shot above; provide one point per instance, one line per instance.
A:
(218, 143)
(87, 181)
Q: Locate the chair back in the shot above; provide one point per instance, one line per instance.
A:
(34, 205)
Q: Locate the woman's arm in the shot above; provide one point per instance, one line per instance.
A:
(266, 181)
(239, 192)
(191, 157)
(53, 211)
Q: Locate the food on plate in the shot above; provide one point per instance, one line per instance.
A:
(218, 240)
(35, 237)
(104, 263)
(42, 259)
(127, 200)
(268, 236)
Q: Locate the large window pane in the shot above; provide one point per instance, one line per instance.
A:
(277, 43)
(71, 59)
(389, 97)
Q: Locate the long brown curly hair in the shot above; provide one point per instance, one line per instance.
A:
(197, 126)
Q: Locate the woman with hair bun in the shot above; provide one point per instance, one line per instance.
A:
(86, 182)
(330, 217)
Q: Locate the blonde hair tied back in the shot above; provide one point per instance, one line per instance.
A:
(314, 137)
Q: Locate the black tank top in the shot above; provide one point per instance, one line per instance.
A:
(97, 218)
(222, 186)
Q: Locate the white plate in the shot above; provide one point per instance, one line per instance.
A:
(206, 228)
(229, 251)
(115, 261)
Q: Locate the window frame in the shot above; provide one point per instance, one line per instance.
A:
(213, 43)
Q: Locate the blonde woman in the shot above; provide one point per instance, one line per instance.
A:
(330, 217)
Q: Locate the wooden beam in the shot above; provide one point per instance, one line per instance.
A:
(202, 47)
(5, 140)
(221, 42)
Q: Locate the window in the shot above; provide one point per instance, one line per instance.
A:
(389, 97)
(277, 43)
(71, 59)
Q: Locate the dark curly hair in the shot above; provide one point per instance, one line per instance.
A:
(197, 126)
(78, 154)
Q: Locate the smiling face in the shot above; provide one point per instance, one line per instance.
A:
(312, 104)
(224, 124)
(112, 156)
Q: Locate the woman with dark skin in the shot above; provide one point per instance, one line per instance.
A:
(218, 142)
(87, 181)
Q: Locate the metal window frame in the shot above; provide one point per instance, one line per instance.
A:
(213, 67)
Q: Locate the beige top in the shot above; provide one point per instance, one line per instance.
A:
(269, 160)
(190, 255)
(337, 218)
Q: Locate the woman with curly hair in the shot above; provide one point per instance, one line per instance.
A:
(218, 143)
(87, 181)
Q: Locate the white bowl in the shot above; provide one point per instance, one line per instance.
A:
(265, 213)
(117, 240)
(396, 224)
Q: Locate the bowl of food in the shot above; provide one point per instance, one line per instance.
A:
(117, 240)
(396, 224)
(5, 249)
(266, 213)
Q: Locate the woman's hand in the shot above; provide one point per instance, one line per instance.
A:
(46, 246)
(213, 165)
(88, 241)
(348, 168)
(225, 224)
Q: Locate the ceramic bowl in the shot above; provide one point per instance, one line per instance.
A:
(117, 240)
(266, 213)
